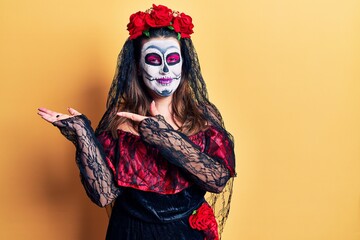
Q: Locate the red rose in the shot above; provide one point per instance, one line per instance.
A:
(183, 25)
(137, 24)
(204, 220)
(160, 16)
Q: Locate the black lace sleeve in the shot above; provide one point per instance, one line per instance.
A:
(95, 176)
(210, 173)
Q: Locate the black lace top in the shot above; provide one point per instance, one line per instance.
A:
(160, 160)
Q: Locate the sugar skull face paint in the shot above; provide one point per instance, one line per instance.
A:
(161, 64)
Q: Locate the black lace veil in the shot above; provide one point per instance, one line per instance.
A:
(126, 71)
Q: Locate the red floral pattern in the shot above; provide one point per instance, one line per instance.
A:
(204, 220)
(157, 17)
(142, 167)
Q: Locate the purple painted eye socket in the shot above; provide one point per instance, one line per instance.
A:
(173, 58)
(153, 59)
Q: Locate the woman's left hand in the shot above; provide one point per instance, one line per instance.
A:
(138, 118)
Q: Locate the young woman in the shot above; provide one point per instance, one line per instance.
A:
(161, 144)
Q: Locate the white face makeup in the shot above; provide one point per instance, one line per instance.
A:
(161, 64)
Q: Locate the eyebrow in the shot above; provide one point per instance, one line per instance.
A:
(161, 49)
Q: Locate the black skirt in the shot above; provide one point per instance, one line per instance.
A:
(139, 215)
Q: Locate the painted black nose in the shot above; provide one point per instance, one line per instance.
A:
(165, 69)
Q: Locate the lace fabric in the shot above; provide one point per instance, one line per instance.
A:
(90, 158)
(137, 164)
(209, 172)
(207, 160)
(214, 171)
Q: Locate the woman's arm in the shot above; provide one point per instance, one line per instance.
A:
(211, 172)
(90, 158)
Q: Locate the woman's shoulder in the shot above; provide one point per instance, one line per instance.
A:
(216, 133)
(106, 139)
(206, 131)
(127, 128)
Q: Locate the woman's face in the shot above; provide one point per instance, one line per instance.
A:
(161, 64)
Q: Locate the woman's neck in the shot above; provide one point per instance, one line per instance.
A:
(164, 107)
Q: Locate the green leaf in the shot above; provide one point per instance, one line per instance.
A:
(146, 33)
(194, 212)
(179, 36)
(171, 27)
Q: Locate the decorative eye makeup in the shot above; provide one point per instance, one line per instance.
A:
(153, 59)
(173, 58)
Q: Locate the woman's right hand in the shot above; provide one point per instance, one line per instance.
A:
(52, 116)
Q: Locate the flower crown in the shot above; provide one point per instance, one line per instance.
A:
(157, 17)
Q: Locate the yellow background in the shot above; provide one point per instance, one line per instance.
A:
(284, 73)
